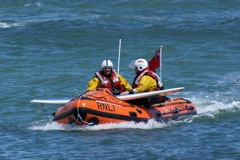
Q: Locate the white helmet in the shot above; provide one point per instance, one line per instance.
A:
(107, 63)
(141, 64)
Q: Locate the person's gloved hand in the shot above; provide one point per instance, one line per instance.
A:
(127, 92)
(115, 92)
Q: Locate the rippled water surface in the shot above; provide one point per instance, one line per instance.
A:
(51, 49)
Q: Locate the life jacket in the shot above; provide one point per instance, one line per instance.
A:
(111, 82)
(149, 73)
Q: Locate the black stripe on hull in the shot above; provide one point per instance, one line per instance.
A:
(84, 111)
(65, 114)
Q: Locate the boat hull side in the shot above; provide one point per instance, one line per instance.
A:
(102, 112)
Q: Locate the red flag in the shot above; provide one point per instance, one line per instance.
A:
(154, 63)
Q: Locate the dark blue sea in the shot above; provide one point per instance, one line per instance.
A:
(52, 48)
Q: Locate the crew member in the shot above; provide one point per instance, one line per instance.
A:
(108, 78)
(145, 81)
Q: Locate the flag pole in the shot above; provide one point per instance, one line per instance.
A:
(160, 61)
(119, 51)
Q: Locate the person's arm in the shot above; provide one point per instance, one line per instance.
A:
(124, 82)
(145, 84)
(93, 84)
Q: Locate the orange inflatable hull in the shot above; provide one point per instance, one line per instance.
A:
(101, 107)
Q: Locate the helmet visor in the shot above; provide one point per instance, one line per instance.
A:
(132, 64)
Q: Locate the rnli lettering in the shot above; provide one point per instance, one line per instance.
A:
(105, 106)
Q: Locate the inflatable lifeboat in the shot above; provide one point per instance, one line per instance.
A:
(101, 107)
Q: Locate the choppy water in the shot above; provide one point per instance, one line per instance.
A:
(51, 49)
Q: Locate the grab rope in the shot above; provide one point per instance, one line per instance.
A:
(79, 116)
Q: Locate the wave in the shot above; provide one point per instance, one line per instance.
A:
(10, 24)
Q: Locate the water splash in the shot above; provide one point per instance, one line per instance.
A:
(48, 126)
(211, 108)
